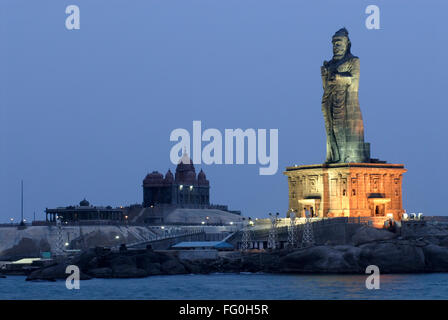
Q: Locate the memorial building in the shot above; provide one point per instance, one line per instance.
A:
(85, 212)
(182, 198)
(182, 189)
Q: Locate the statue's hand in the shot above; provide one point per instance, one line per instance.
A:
(336, 78)
(323, 71)
(342, 79)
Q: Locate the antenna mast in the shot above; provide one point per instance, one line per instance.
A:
(21, 211)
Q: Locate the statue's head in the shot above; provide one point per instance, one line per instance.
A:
(341, 44)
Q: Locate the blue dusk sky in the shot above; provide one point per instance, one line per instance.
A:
(89, 112)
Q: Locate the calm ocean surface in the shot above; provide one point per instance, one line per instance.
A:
(234, 286)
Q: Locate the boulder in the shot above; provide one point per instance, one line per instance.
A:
(206, 266)
(100, 273)
(250, 266)
(53, 272)
(153, 269)
(231, 266)
(144, 261)
(320, 259)
(424, 230)
(128, 271)
(367, 234)
(393, 257)
(443, 242)
(122, 259)
(193, 267)
(436, 258)
(173, 266)
(26, 247)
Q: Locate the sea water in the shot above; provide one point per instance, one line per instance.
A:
(234, 287)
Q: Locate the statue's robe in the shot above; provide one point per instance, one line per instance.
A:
(342, 114)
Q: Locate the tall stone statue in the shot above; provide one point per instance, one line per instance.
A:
(340, 105)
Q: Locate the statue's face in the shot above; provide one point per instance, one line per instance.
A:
(340, 45)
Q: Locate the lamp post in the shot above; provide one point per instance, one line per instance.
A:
(292, 230)
(21, 207)
(272, 239)
(308, 236)
(59, 250)
(245, 237)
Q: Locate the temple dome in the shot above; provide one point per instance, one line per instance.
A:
(153, 178)
(169, 178)
(185, 164)
(185, 172)
(202, 179)
(84, 203)
(189, 177)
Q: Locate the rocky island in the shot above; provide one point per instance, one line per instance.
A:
(368, 246)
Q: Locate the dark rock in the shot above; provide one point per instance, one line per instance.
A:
(143, 261)
(93, 263)
(231, 266)
(86, 260)
(393, 257)
(203, 266)
(443, 242)
(128, 271)
(192, 267)
(101, 251)
(26, 247)
(436, 258)
(322, 259)
(367, 234)
(250, 266)
(351, 255)
(100, 273)
(56, 271)
(122, 260)
(173, 266)
(153, 269)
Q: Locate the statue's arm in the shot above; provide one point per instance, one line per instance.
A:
(324, 74)
(350, 78)
(354, 83)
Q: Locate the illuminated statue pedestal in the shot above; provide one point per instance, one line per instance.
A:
(346, 190)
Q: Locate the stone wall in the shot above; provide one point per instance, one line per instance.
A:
(32, 240)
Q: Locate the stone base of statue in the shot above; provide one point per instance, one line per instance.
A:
(346, 190)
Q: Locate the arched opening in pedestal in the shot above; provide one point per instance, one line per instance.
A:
(378, 206)
(310, 205)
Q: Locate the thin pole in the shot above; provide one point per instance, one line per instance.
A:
(22, 204)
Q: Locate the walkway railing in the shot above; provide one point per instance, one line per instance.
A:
(261, 230)
(284, 222)
(168, 234)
